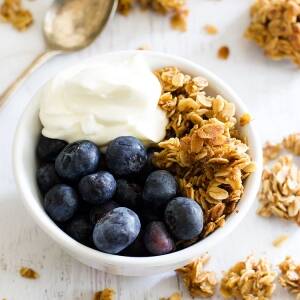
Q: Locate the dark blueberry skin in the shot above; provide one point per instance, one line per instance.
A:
(47, 177)
(157, 239)
(126, 156)
(147, 215)
(97, 188)
(61, 202)
(128, 194)
(77, 160)
(160, 187)
(98, 212)
(184, 217)
(80, 229)
(116, 230)
(137, 248)
(48, 149)
(148, 167)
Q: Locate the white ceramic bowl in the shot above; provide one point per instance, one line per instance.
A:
(25, 167)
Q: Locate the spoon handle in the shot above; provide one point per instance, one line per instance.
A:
(37, 62)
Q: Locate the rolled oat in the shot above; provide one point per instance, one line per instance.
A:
(211, 29)
(175, 296)
(292, 143)
(223, 52)
(28, 273)
(250, 279)
(203, 148)
(290, 276)
(106, 294)
(271, 151)
(275, 26)
(200, 283)
(280, 240)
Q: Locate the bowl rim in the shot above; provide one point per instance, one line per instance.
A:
(172, 258)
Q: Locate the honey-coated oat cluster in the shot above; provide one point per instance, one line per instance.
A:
(250, 279)
(11, 11)
(175, 8)
(275, 26)
(203, 147)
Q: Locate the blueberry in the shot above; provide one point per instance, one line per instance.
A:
(80, 229)
(137, 248)
(160, 187)
(157, 239)
(116, 230)
(98, 212)
(184, 217)
(126, 156)
(97, 188)
(147, 215)
(128, 194)
(47, 177)
(61, 202)
(77, 160)
(48, 149)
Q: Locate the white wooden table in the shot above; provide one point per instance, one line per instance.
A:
(271, 91)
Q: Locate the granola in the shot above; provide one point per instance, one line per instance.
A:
(106, 294)
(175, 8)
(290, 276)
(280, 191)
(223, 52)
(280, 240)
(275, 26)
(11, 11)
(175, 296)
(28, 273)
(292, 143)
(252, 279)
(245, 119)
(211, 29)
(271, 151)
(203, 148)
(200, 283)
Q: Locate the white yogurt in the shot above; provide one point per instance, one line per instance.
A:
(101, 100)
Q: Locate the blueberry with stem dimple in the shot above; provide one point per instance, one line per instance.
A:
(48, 149)
(61, 202)
(160, 187)
(125, 156)
(184, 218)
(116, 230)
(77, 160)
(97, 188)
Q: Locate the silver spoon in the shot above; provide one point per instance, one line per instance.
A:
(69, 25)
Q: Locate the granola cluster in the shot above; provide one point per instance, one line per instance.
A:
(175, 8)
(175, 296)
(200, 283)
(250, 279)
(280, 191)
(275, 26)
(106, 294)
(28, 273)
(203, 148)
(11, 11)
(292, 143)
(290, 276)
(271, 151)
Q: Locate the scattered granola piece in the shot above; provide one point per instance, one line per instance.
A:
(280, 240)
(144, 47)
(290, 276)
(106, 294)
(275, 26)
(223, 52)
(200, 283)
(211, 29)
(249, 279)
(179, 20)
(280, 191)
(175, 296)
(28, 273)
(271, 151)
(245, 119)
(175, 8)
(203, 148)
(292, 143)
(11, 11)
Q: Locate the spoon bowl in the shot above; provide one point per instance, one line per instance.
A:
(74, 24)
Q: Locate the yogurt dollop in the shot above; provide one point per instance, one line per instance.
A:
(101, 100)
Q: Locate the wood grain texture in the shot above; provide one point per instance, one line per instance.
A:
(270, 89)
